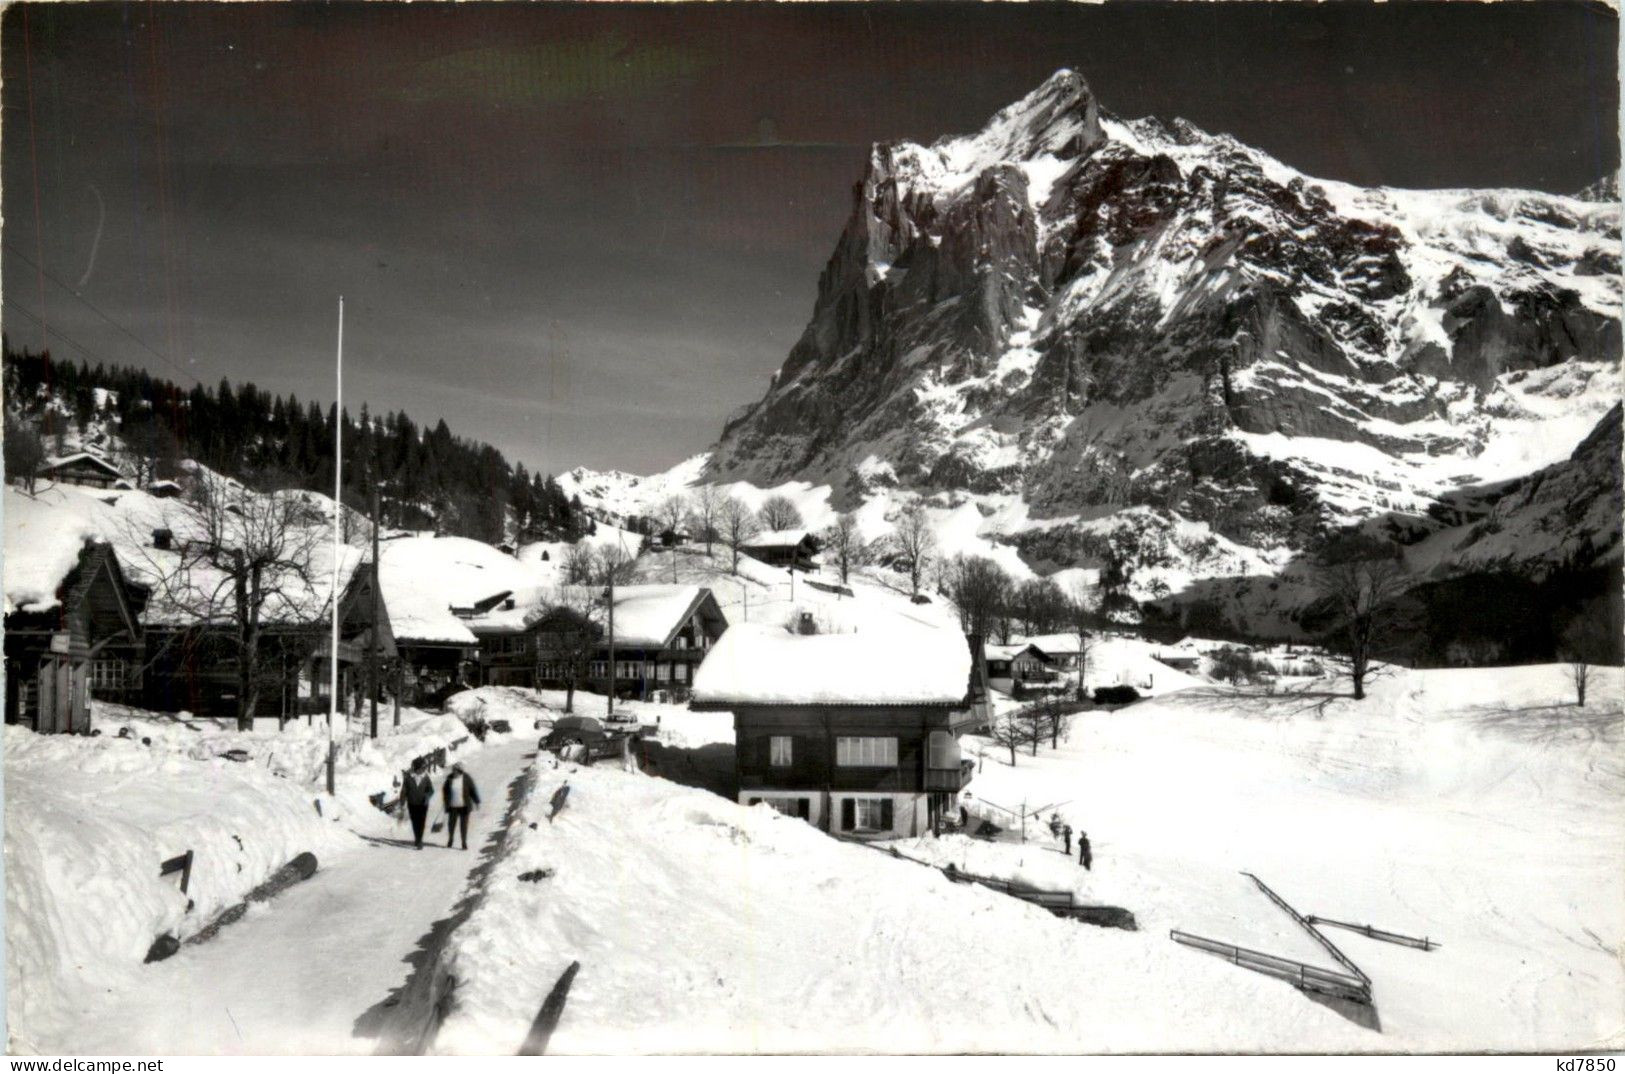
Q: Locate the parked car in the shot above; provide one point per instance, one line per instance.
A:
(585, 738)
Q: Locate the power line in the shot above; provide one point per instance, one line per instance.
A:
(97, 310)
(69, 340)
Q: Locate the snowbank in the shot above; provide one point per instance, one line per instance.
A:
(702, 925)
(88, 821)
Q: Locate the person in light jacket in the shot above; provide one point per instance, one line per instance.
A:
(460, 796)
(417, 790)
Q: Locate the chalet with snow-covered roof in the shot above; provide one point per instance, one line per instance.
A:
(795, 550)
(83, 468)
(660, 634)
(1020, 665)
(1062, 650)
(77, 636)
(194, 665)
(857, 733)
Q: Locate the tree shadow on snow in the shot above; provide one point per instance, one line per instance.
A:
(708, 768)
(404, 1021)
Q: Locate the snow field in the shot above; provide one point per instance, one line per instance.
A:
(1477, 807)
(702, 925)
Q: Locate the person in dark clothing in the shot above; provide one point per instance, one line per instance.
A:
(964, 817)
(417, 791)
(1085, 856)
(460, 797)
(1066, 833)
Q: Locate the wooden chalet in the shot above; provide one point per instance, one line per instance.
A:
(795, 550)
(194, 666)
(1012, 666)
(86, 643)
(83, 468)
(1061, 650)
(857, 734)
(662, 633)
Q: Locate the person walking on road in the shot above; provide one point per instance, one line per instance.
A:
(417, 791)
(1085, 856)
(460, 796)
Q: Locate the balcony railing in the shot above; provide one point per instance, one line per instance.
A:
(949, 779)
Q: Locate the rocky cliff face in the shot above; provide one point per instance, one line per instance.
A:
(1098, 316)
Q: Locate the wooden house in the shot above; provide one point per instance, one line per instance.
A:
(857, 734)
(84, 643)
(661, 634)
(795, 550)
(194, 666)
(83, 468)
(1061, 649)
(1020, 665)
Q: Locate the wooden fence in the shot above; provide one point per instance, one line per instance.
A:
(1306, 977)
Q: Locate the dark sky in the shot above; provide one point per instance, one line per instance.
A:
(558, 227)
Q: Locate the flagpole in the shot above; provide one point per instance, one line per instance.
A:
(338, 488)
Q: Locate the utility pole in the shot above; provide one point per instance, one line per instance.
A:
(338, 506)
(609, 597)
(377, 600)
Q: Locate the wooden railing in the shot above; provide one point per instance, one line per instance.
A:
(1306, 977)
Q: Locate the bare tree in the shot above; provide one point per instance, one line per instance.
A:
(149, 449)
(914, 544)
(736, 525)
(615, 564)
(845, 544)
(1586, 641)
(671, 513)
(1363, 599)
(1079, 615)
(24, 453)
(1580, 677)
(1039, 604)
(778, 513)
(1011, 733)
(980, 591)
(1048, 717)
(580, 564)
(241, 562)
(706, 505)
(569, 633)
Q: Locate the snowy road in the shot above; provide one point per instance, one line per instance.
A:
(319, 969)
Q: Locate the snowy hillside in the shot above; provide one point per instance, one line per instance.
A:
(1079, 336)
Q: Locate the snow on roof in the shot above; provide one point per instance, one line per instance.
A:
(82, 456)
(44, 534)
(758, 664)
(1010, 652)
(423, 578)
(1053, 644)
(646, 616)
(777, 539)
